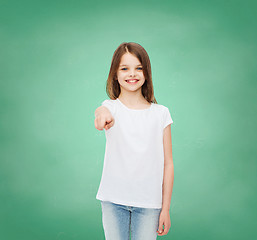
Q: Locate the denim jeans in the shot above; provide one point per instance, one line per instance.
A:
(119, 220)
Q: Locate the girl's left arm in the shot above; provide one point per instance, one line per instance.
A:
(168, 175)
(167, 186)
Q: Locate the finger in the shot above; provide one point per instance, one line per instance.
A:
(109, 124)
(160, 229)
(165, 231)
(161, 234)
(98, 124)
(104, 124)
(108, 119)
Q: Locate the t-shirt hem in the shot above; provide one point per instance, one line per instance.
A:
(128, 203)
(168, 123)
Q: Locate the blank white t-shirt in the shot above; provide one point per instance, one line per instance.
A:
(134, 156)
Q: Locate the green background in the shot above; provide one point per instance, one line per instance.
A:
(55, 58)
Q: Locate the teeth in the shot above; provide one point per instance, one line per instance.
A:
(132, 81)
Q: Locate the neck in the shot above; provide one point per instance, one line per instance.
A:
(132, 98)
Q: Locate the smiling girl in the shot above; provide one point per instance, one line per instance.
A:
(138, 173)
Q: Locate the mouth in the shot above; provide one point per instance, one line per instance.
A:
(132, 81)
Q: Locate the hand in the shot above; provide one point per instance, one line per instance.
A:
(164, 219)
(104, 119)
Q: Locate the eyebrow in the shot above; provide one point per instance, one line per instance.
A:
(127, 65)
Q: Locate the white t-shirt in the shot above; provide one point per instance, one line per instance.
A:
(134, 156)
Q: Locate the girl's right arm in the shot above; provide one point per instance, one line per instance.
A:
(103, 118)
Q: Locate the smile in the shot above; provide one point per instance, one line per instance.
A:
(132, 81)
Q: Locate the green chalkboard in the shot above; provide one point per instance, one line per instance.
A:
(55, 58)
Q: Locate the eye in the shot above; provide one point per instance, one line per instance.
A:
(140, 68)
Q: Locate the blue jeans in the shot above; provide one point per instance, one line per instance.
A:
(118, 220)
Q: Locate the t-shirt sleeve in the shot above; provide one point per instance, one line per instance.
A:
(110, 105)
(166, 117)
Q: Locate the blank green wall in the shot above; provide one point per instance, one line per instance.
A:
(55, 57)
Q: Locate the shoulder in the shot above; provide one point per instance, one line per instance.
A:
(166, 116)
(109, 101)
(164, 112)
(160, 107)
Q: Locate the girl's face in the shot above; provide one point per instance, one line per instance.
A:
(130, 68)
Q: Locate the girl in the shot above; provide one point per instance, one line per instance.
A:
(138, 173)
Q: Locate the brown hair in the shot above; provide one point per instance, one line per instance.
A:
(113, 86)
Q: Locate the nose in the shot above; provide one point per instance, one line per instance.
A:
(132, 73)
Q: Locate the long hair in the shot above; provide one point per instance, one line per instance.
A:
(113, 86)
